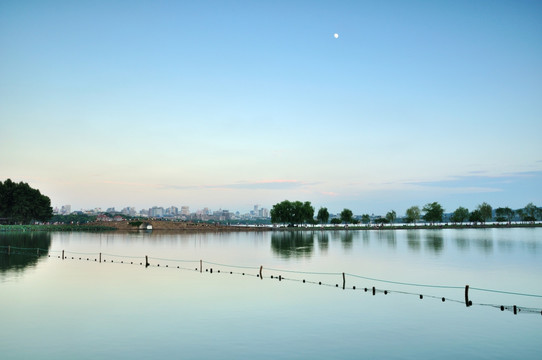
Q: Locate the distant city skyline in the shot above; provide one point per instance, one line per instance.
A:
(224, 104)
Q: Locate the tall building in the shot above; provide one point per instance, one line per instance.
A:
(66, 209)
(185, 210)
(156, 211)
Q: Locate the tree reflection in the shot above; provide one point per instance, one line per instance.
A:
(388, 236)
(323, 241)
(294, 244)
(413, 239)
(23, 250)
(462, 243)
(347, 239)
(434, 242)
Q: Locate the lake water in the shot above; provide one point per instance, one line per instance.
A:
(85, 309)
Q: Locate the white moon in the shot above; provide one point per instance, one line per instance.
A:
(336, 36)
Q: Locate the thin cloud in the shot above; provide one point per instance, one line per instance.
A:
(247, 185)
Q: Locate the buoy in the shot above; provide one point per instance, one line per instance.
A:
(303, 281)
(385, 292)
(502, 308)
(421, 296)
(443, 299)
(354, 288)
(319, 283)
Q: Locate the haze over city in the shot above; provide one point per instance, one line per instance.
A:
(227, 104)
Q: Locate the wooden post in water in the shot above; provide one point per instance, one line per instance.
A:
(261, 268)
(515, 310)
(200, 266)
(146, 261)
(467, 301)
(100, 257)
(62, 254)
(344, 281)
(374, 291)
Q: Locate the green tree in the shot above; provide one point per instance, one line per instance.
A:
(504, 214)
(391, 216)
(335, 221)
(346, 216)
(381, 220)
(433, 212)
(460, 214)
(412, 214)
(530, 212)
(288, 212)
(485, 211)
(365, 218)
(323, 215)
(307, 211)
(476, 216)
(19, 203)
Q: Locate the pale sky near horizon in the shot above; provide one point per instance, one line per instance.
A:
(227, 104)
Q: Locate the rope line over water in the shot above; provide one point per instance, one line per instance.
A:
(143, 260)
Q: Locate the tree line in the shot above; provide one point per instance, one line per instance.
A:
(297, 212)
(21, 204)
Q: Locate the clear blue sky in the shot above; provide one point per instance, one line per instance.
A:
(227, 104)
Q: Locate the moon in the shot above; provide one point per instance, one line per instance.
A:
(336, 36)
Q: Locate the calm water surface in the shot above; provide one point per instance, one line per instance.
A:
(65, 309)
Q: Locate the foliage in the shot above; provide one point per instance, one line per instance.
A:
(20, 203)
(381, 220)
(323, 215)
(295, 212)
(365, 218)
(476, 216)
(529, 213)
(72, 219)
(433, 212)
(135, 223)
(391, 216)
(335, 221)
(504, 214)
(412, 214)
(346, 216)
(459, 215)
(486, 212)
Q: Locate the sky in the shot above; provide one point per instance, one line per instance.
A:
(228, 104)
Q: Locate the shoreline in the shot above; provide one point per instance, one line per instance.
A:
(181, 227)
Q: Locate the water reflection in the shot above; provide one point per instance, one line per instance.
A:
(323, 241)
(347, 239)
(23, 250)
(434, 241)
(462, 243)
(389, 236)
(413, 239)
(294, 244)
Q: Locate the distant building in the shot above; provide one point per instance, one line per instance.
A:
(156, 211)
(66, 209)
(185, 210)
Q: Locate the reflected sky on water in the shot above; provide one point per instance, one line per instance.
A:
(86, 309)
